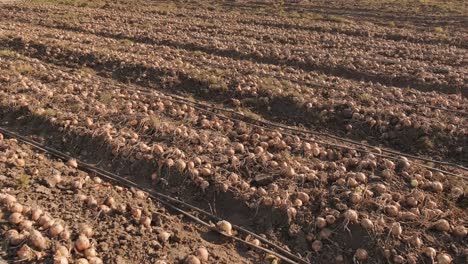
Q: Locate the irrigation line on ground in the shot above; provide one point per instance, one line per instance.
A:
(162, 198)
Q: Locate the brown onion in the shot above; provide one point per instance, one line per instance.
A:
(442, 225)
(361, 254)
(202, 254)
(82, 243)
(38, 240)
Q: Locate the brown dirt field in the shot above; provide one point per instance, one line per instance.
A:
(323, 131)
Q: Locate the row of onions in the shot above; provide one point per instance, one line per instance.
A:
(211, 151)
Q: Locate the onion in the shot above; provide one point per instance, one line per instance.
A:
(411, 201)
(104, 209)
(351, 216)
(91, 202)
(255, 242)
(36, 213)
(95, 260)
(11, 234)
(367, 224)
(45, 221)
(26, 225)
(82, 261)
(355, 197)
(158, 149)
(380, 188)
(16, 208)
(205, 172)
(431, 204)
(82, 243)
(459, 231)
(16, 218)
(72, 163)
(442, 225)
(316, 245)
(408, 216)
(244, 185)
(391, 210)
(191, 259)
(62, 251)
(289, 172)
(456, 192)
(233, 178)
(38, 240)
(444, 258)
(136, 213)
(14, 238)
(77, 185)
(416, 241)
(25, 253)
(292, 212)
(65, 235)
(225, 227)
(437, 186)
(387, 173)
(430, 252)
(97, 180)
(361, 177)
(268, 201)
(180, 165)
(398, 259)
(90, 252)
(140, 194)
(145, 221)
(122, 208)
(352, 182)
(81, 197)
(85, 230)
(56, 229)
(238, 147)
(60, 260)
(325, 233)
(54, 180)
(297, 203)
(204, 185)
(396, 230)
(331, 219)
(304, 197)
(202, 254)
(110, 201)
(164, 236)
(320, 222)
(262, 192)
(8, 199)
(26, 210)
(361, 254)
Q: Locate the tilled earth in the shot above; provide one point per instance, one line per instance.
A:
(341, 141)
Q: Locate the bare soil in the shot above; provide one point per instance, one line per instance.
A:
(284, 120)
